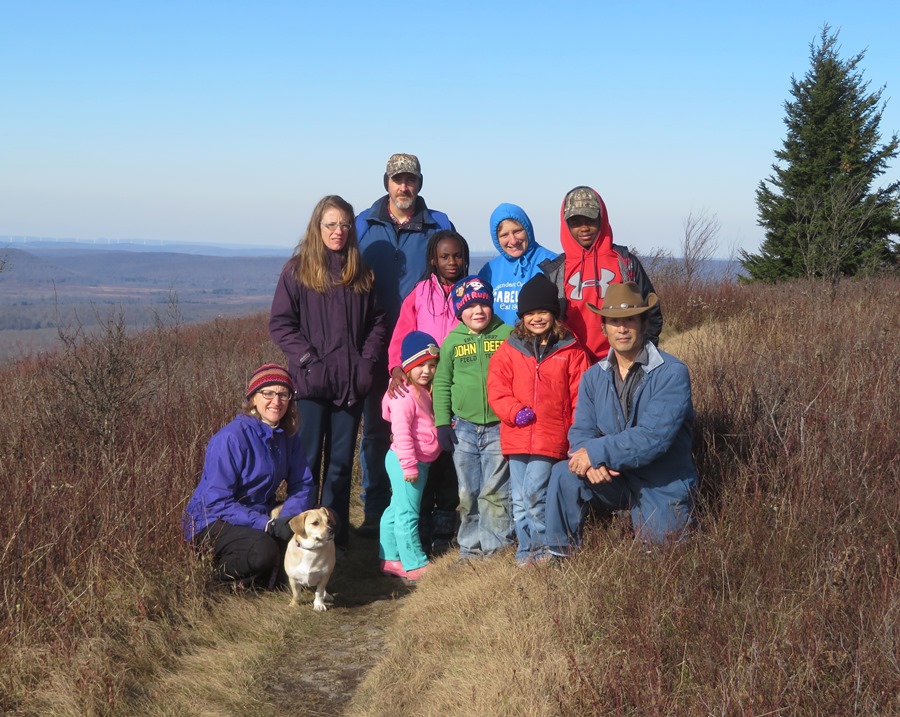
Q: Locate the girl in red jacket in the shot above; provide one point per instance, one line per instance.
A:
(532, 387)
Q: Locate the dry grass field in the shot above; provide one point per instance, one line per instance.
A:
(785, 601)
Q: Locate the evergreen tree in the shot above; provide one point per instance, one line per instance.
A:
(822, 217)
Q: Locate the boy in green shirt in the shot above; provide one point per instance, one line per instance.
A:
(466, 425)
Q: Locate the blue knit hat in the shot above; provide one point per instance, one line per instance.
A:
(471, 290)
(416, 349)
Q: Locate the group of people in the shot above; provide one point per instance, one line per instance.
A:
(495, 408)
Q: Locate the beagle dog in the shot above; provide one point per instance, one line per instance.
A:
(310, 555)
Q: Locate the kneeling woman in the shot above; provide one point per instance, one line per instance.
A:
(246, 461)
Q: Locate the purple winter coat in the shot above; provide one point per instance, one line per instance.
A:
(331, 340)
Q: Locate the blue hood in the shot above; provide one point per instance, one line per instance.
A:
(515, 212)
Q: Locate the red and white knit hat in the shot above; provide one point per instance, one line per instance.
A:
(270, 374)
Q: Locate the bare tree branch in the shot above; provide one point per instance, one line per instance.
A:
(699, 242)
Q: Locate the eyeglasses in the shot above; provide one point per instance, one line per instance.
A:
(331, 226)
(269, 395)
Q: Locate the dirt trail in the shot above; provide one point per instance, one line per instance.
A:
(349, 638)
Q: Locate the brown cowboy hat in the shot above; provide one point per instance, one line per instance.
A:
(624, 300)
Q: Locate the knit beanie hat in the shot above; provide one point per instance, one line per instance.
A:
(471, 290)
(270, 374)
(417, 347)
(538, 293)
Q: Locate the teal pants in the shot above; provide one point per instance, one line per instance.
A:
(399, 532)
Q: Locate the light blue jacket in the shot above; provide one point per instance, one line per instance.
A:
(507, 274)
(655, 444)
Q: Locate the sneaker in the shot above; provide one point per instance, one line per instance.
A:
(418, 572)
(393, 568)
(369, 527)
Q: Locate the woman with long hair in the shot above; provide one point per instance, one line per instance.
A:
(326, 321)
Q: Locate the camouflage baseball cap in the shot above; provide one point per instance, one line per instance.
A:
(581, 202)
(400, 163)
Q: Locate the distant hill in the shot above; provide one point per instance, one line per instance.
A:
(46, 288)
(143, 246)
(93, 267)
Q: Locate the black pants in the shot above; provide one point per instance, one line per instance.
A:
(246, 556)
(440, 500)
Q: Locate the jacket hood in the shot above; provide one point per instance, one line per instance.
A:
(516, 213)
(525, 346)
(571, 248)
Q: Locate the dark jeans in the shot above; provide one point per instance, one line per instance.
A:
(376, 440)
(328, 434)
(440, 499)
(243, 555)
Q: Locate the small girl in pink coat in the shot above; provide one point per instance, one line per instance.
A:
(413, 448)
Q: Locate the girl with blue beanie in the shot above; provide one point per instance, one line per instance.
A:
(413, 447)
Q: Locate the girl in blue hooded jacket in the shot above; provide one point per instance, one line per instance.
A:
(518, 261)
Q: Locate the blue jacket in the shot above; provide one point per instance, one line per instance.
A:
(507, 274)
(655, 444)
(245, 463)
(397, 260)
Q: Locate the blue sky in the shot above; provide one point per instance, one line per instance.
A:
(225, 122)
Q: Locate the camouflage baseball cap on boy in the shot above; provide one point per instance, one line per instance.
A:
(581, 202)
(403, 163)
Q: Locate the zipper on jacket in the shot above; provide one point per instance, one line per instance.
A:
(534, 389)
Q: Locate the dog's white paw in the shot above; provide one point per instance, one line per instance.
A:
(319, 606)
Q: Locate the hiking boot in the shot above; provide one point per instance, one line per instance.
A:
(441, 546)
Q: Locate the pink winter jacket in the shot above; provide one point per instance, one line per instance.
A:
(412, 424)
(426, 308)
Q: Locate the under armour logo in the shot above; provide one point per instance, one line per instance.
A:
(606, 276)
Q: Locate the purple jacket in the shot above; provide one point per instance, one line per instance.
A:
(245, 463)
(331, 340)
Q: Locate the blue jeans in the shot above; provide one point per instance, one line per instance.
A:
(398, 535)
(328, 434)
(528, 480)
(376, 440)
(660, 512)
(484, 503)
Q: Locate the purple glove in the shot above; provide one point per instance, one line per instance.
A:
(525, 417)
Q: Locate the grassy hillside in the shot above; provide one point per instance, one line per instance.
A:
(784, 602)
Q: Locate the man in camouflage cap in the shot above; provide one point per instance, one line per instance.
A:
(590, 262)
(393, 238)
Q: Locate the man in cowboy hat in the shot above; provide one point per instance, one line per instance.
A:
(630, 442)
